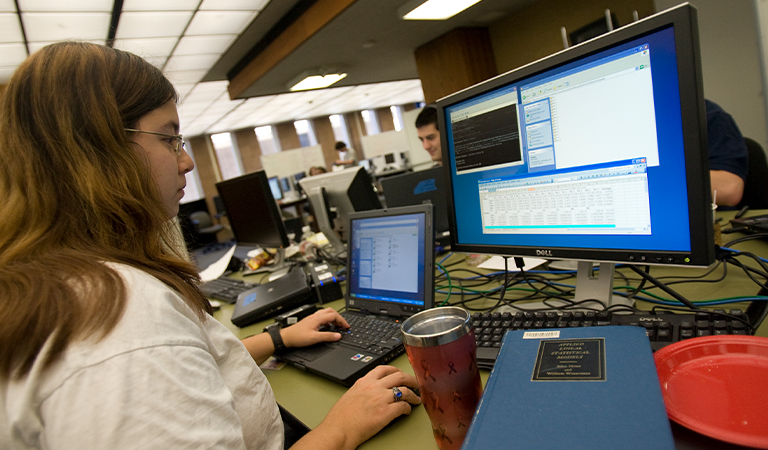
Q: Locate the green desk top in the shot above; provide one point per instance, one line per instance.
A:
(310, 397)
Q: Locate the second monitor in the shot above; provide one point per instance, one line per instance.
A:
(334, 195)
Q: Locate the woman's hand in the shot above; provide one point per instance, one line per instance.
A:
(307, 331)
(364, 410)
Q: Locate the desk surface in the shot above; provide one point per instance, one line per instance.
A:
(310, 397)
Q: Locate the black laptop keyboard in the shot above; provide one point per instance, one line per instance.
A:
(370, 333)
(662, 329)
(226, 289)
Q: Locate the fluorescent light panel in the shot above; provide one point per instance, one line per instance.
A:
(434, 9)
(318, 81)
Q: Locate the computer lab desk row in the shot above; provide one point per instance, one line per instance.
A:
(310, 397)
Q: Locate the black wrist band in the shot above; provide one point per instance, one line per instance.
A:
(277, 340)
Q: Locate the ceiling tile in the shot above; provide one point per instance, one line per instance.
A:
(12, 54)
(164, 5)
(152, 24)
(195, 45)
(191, 62)
(10, 30)
(157, 61)
(226, 5)
(148, 47)
(219, 22)
(183, 89)
(218, 87)
(66, 6)
(35, 46)
(40, 27)
(190, 76)
(5, 74)
(7, 6)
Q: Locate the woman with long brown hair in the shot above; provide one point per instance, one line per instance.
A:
(105, 339)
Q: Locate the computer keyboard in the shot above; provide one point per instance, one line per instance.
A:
(662, 328)
(226, 289)
(370, 333)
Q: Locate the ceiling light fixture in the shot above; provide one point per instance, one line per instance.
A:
(315, 79)
(433, 9)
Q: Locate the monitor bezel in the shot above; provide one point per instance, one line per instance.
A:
(683, 20)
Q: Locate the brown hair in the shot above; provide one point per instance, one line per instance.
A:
(76, 194)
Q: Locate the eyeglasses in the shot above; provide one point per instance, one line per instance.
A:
(179, 139)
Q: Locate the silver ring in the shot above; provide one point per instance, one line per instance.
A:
(397, 394)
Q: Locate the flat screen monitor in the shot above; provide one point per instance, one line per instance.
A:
(191, 237)
(596, 153)
(274, 186)
(252, 212)
(296, 178)
(339, 193)
(415, 188)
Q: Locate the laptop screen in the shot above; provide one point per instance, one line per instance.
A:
(390, 260)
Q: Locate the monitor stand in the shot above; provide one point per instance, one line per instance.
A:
(317, 200)
(590, 284)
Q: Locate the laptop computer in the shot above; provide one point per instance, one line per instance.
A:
(414, 188)
(390, 276)
(754, 224)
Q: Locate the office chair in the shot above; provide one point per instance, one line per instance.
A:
(756, 187)
(204, 229)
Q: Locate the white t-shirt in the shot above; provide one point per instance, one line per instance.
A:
(160, 380)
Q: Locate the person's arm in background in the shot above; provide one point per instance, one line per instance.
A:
(729, 187)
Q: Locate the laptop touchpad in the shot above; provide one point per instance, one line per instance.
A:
(313, 352)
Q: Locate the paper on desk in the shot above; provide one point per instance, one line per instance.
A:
(497, 263)
(218, 268)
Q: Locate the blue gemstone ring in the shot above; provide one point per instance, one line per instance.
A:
(397, 394)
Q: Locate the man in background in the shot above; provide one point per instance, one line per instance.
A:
(728, 156)
(347, 156)
(429, 135)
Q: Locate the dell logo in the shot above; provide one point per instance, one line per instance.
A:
(543, 252)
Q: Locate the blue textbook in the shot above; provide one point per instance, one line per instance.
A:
(574, 388)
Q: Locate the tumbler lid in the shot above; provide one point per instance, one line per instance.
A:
(436, 326)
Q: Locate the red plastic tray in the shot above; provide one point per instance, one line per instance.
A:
(718, 386)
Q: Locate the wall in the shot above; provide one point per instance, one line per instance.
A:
(534, 32)
(326, 139)
(250, 150)
(730, 60)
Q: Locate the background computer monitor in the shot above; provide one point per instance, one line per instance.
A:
(415, 188)
(596, 153)
(193, 239)
(252, 212)
(274, 186)
(296, 178)
(339, 193)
